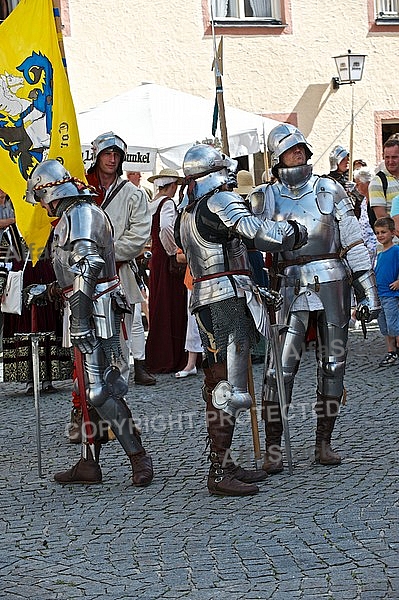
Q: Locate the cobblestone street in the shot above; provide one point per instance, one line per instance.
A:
(323, 533)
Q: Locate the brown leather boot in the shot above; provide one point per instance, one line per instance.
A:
(325, 455)
(141, 374)
(75, 426)
(222, 481)
(225, 478)
(86, 471)
(249, 476)
(273, 462)
(327, 408)
(143, 472)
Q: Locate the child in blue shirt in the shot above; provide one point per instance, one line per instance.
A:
(387, 276)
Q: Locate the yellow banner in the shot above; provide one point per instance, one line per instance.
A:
(37, 115)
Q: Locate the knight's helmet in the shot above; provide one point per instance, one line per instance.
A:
(208, 169)
(109, 141)
(50, 181)
(282, 138)
(337, 154)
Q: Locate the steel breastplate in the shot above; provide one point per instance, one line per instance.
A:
(315, 209)
(207, 258)
(77, 224)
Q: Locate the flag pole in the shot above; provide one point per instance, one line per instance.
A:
(58, 25)
(265, 157)
(218, 66)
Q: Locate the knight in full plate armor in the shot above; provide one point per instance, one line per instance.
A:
(227, 304)
(84, 264)
(315, 282)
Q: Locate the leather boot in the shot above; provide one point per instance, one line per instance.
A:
(225, 478)
(141, 462)
(75, 426)
(273, 462)
(327, 408)
(86, 471)
(142, 469)
(249, 475)
(222, 481)
(141, 374)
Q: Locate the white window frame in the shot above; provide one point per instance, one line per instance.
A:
(240, 9)
(387, 10)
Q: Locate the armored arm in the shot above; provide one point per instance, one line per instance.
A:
(86, 264)
(267, 235)
(365, 288)
(356, 255)
(277, 236)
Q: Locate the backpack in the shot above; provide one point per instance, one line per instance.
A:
(370, 211)
(384, 182)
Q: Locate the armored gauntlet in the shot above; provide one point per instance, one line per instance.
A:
(366, 295)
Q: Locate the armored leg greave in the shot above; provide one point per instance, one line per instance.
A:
(105, 392)
(231, 394)
(105, 389)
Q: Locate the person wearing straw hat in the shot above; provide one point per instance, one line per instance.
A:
(245, 183)
(165, 351)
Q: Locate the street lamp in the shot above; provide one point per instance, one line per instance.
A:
(349, 67)
(350, 70)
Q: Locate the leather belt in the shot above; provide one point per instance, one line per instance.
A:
(222, 274)
(304, 259)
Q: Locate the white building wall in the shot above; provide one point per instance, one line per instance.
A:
(116, 46)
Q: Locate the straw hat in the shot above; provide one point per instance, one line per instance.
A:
(245, 183)
(165, 175)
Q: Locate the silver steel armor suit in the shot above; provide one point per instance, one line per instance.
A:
(315, 282)
(225, 301)
(84, 264)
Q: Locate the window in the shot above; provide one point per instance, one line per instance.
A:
(249, 11)
(387, 10)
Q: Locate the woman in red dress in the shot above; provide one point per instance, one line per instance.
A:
(167, 293)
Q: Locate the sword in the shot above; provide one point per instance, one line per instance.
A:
(254, 416)
(34, 338)
(275, 331)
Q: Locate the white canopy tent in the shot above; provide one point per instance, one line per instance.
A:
(159, 122)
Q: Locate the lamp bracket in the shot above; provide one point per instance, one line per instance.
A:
(336, 83)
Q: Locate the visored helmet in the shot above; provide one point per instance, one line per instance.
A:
(337, 154)
(50, 181)
(109, 141)
(282, 138)
(208, 167)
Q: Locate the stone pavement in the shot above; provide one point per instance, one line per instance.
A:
(322, 533)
